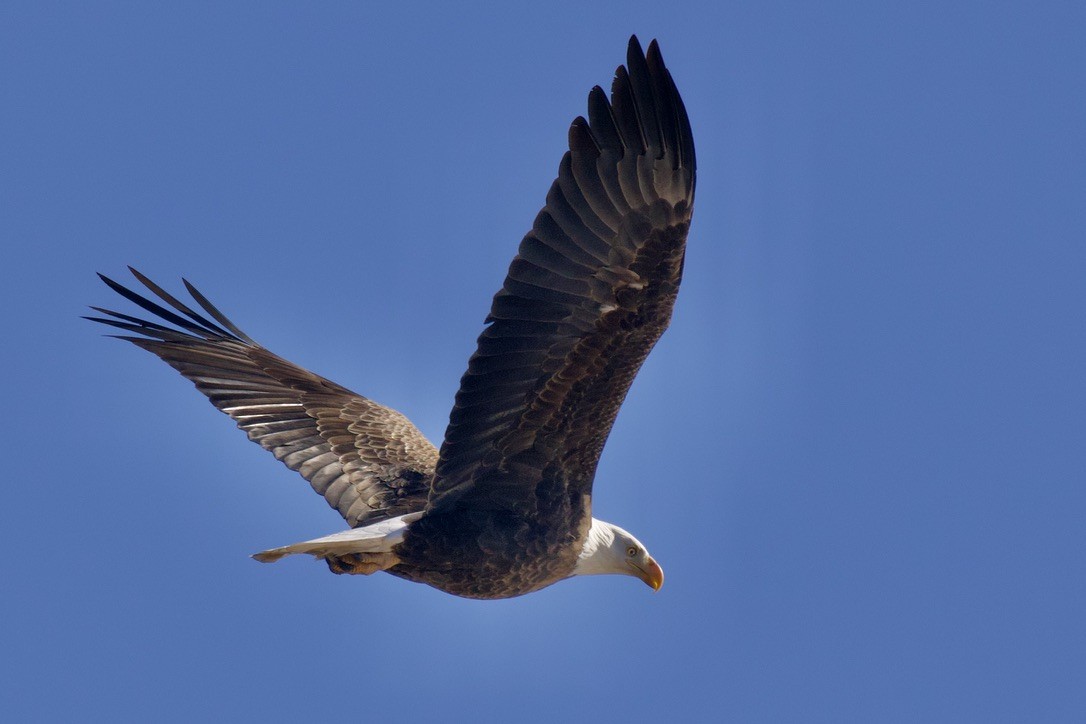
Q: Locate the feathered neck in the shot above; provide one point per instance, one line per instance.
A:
(597, 553)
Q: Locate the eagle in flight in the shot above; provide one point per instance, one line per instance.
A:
(504, 507)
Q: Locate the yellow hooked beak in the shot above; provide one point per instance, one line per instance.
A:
(651, 573)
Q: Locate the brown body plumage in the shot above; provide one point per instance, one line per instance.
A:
(506, 501)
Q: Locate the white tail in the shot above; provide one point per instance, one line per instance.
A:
(377, 538)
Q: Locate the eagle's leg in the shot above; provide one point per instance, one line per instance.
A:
(361, 563)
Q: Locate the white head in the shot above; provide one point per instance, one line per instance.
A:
(609, 549)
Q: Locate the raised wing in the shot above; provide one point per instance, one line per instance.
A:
(368, 461)
(587, 296)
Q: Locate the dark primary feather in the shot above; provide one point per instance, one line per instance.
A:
(585, 299)
(368, 461)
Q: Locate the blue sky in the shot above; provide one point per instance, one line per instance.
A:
(858, 453)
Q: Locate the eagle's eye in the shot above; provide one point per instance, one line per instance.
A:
(631, 551)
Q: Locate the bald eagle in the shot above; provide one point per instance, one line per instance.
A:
(503, 508)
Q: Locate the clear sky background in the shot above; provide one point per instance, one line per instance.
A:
(859, 453)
